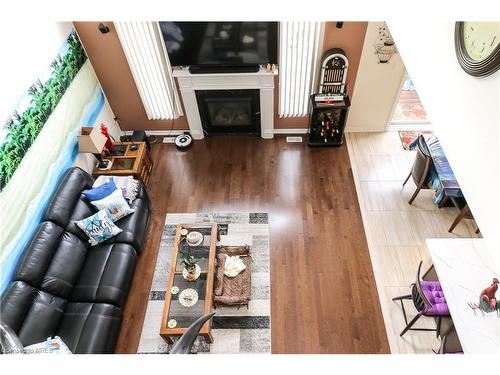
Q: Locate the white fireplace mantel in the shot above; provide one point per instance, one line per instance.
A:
(261, 80)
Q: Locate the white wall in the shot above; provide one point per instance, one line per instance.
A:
(106, 116)
(464, 112)
(377, 86)
(31, 51)
(23, 199)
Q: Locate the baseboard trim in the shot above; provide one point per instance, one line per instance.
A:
(160, 132)
(410, 126)
(291, 131)
(364, 130)
(177, 132)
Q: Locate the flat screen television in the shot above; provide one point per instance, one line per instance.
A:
(221, 44)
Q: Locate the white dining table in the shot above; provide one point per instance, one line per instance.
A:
(465, 267)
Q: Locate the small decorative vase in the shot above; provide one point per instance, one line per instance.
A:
(191, 273)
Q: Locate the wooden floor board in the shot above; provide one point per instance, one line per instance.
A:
(323, 294)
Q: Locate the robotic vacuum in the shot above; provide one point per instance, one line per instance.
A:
(183, 141)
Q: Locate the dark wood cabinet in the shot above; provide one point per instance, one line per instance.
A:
(327, 122)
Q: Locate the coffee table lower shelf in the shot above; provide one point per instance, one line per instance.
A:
(168, 336)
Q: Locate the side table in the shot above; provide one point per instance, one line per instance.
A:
(128, 162)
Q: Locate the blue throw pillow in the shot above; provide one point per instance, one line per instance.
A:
(100, 192)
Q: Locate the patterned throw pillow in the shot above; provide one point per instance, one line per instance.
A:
(130, 186)
(115, 205)
(98, 227)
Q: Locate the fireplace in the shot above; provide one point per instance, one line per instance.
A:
(194, 88)
(229, 111)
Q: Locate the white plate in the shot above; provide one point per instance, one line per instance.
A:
(188, 297)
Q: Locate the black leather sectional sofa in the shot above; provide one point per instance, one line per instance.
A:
(63, 286)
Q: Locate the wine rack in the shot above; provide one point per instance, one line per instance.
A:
(327, 122)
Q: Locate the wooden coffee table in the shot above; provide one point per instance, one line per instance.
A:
(204, 285)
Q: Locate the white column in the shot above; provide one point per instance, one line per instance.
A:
(192, 113)
(267, 113)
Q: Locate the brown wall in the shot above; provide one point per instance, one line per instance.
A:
(350, 38)
(111, 67)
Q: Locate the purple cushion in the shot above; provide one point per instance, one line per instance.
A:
(435, 295)
(430, 285)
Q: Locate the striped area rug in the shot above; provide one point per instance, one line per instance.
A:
(234, 330)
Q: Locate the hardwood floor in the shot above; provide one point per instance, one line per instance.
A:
(323, 293)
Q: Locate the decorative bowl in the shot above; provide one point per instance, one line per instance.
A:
(194, 238)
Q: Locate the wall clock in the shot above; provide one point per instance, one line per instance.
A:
(477, 45)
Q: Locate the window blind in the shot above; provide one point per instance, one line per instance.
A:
(148, 61)
(300, 45)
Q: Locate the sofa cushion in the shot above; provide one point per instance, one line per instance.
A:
(52, 260)
(134, 227)
(106, 275)
(90, 327)
(43, 318)
(65, 266)
(82, 209)
(16, 303)
(62, 206)
(39, 253)
(33, 314)
(142, 194)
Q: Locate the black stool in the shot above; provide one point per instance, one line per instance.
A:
(137, 136)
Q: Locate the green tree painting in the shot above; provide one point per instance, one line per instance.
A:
(23, 128)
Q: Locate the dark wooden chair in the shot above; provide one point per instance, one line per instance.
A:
(464, 212)
(421, 168)
(450, 344)
(428, 300)
(185, 343)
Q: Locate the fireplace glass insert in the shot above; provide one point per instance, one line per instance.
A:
(229, 111)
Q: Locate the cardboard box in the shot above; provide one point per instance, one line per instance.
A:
(91, 140)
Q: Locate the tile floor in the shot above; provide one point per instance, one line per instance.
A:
(395, 230)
